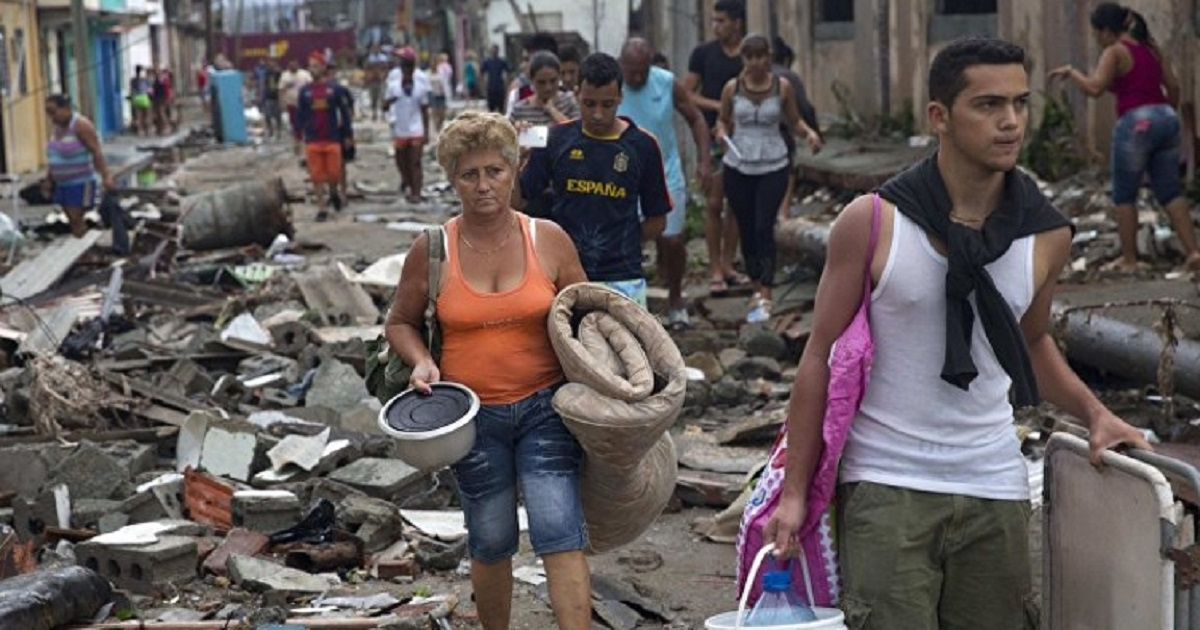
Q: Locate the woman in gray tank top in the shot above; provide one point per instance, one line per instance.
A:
(756, 160)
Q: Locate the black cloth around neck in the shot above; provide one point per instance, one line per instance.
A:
(920, 194)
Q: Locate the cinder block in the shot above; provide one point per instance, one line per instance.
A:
(50, 508)
(143, 569)
(25, 467)
(265, 511)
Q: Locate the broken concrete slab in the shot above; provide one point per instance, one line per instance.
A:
(86, 513)
(363, 418)
(49, 508)
(337, 302)
(378, 477)
(25, 467)
(698, 452)
(265, 511)
(697, 488)
(92, 473)
(231, 449)
(258, 575)
(375, 521)
(757, 429)
(303, 451)
(337, 386)
(45, 338)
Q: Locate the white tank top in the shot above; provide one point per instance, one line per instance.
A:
(913, 429)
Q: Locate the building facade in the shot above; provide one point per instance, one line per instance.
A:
(23, 121)
(871, 57)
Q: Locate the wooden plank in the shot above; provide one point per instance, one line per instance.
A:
(39, 273)
(153, 392)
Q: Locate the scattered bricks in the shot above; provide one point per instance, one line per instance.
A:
(207, 500)
(231, 449)
(50, 508)
(266, 511)
(393, 568)
(86, 513)
(257, 575)
(239, 541)
(92, 473)
(378, 477)
(142, 569)
(24, 467)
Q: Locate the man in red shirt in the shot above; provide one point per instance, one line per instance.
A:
(325, 117)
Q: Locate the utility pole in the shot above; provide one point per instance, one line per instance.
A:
(83, 61)
(210, 50)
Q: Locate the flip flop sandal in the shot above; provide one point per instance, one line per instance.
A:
(737, 279)
(717, 287)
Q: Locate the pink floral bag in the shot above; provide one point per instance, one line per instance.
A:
(849, 370)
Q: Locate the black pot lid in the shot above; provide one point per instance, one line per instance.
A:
(414, 412)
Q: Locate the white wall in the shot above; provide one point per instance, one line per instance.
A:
(582, 16)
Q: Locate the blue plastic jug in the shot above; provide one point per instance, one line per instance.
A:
(779, 604)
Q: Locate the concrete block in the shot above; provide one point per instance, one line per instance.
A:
(86, 513)
(265, 511)
(375, 521)
(337, 386)
(378, 477)
(144, 507)
(138, 458)
(186, 378)
(143, 569)
(50, 508)
(231, 449)
(239, 541)
(92, 473)
(112, 522)
(257, 575)
(24, 467)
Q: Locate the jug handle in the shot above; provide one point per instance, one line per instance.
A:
(755, 566)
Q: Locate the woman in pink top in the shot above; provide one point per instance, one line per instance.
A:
(1146, 137)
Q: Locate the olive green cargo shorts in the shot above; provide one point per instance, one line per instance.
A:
(924, 561)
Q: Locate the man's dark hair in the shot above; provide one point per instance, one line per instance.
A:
(541, 41)
(543, 59)
(734, 9)
(660, 60)
(569, 53)
(781, 54)
(59, 100)
(599, 69)
(947, 73)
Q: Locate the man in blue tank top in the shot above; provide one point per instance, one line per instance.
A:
(933, 496)
(650, 98)
(600, 167)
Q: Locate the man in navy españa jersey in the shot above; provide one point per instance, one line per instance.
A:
(599, 167)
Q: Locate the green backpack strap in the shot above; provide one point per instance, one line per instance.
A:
(436, 247)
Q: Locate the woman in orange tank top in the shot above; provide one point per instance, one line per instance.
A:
(500, 276)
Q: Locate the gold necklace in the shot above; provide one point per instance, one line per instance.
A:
(489, 252)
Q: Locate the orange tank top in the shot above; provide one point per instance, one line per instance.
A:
(497, 343)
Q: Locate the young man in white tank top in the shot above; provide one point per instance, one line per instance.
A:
(933, 495)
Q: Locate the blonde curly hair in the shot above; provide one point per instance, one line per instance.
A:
(475, 131)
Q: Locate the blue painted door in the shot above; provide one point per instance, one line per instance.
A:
(109, 88)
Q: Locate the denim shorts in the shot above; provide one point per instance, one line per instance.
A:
(524, 442)
(1146, 143)
(635, 290)
(79, 195)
